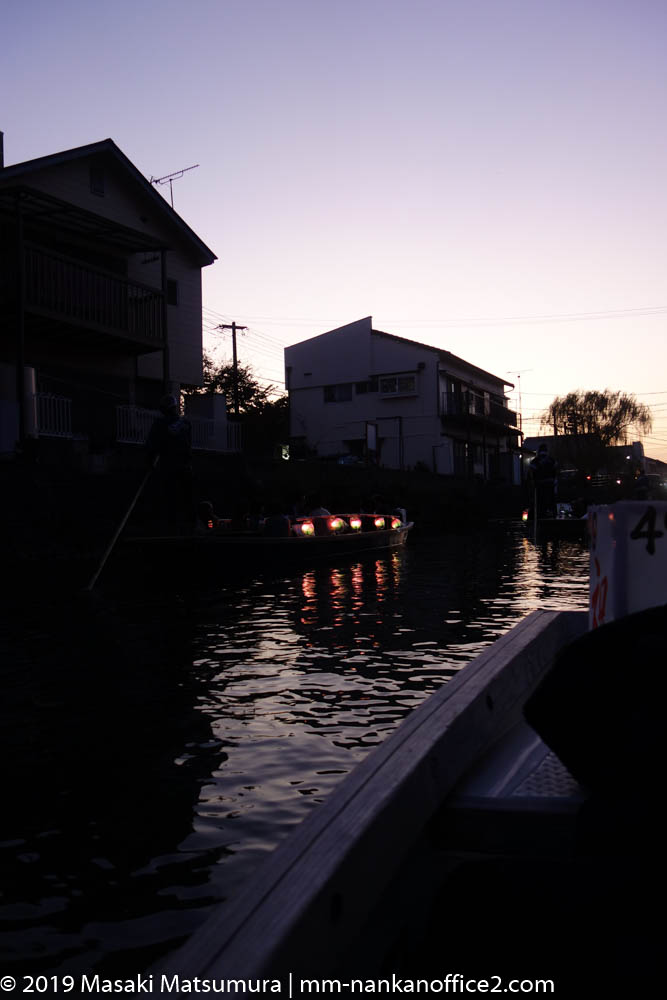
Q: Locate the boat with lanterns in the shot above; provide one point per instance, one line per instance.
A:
(304, 540)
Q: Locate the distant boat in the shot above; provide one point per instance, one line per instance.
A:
(565, 526)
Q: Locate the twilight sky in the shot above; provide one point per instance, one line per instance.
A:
(487, 176)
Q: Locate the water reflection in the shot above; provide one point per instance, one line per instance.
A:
(335, 597)
(224, 727)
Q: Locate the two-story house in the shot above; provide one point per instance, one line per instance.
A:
(361, 392)
(100, 297)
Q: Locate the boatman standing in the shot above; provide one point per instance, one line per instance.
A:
(544, 469)
(170, 443)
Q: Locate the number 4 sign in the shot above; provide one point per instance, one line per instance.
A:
(628, 559)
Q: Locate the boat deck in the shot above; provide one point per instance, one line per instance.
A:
(510, 822)
(518, 796)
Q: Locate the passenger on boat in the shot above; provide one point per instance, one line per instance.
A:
(207, 519)
(254, 517)
(276, 523)
(315, 507)
(169, 440)
(319, 515)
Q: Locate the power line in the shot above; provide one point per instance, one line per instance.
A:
(484, 320)
(538, 318)
(267, 355)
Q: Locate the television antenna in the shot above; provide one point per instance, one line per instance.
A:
(518, 378)
(171, 178)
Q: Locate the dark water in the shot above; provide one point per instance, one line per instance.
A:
(156, 750)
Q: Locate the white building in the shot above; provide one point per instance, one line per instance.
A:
(361, 392)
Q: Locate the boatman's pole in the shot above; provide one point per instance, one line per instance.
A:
(110, 546)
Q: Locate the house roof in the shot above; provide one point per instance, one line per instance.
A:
(15, 181)
(446, 357)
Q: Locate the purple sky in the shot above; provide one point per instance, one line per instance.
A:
(488, 176)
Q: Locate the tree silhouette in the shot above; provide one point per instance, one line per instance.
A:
(263, 412)
(221, 378)
(605, 415)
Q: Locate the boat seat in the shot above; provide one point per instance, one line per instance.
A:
(517, 798)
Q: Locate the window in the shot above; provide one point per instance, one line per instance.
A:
(172, 292)
(341, 393)
(97, 180)
(371, 385)
(398, 385)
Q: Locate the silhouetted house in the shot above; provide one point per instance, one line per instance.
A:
(359, 392)
(100, 299)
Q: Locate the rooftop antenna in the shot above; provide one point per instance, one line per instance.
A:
(518, 377)
(171, 178)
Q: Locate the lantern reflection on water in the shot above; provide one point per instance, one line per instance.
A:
(347, 596)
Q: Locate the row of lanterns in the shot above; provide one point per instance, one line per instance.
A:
(354, 522)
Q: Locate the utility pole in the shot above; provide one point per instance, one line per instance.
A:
(234, 327)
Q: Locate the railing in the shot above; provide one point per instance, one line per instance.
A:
(209, 435)
(92, 297)
(54, 415)
(460, 404)
(133, 424)
(474, 404)
(500, 414)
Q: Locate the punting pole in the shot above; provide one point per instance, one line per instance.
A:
(110, 546)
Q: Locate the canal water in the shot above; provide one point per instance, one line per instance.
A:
(158, 746)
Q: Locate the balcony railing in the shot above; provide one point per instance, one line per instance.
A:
(500, 414)
(469, 404)
(212, 435)
(133, 424)
(54, 415)
(86, 296)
